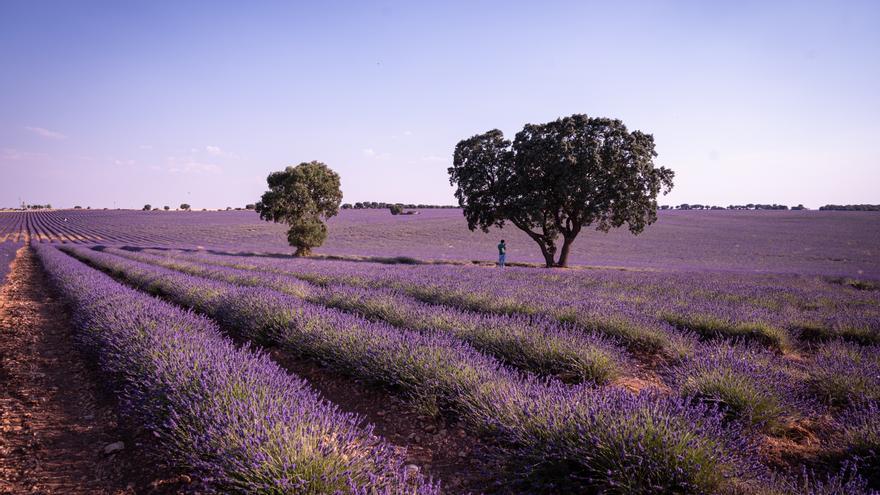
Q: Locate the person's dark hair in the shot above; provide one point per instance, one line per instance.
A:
(502, 240)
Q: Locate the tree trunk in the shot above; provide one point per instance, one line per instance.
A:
(548, 249)
(303, 251)
(563, 254)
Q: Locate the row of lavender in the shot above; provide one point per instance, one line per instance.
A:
(606, 435)
(134, 227)
(7, 255)
(619, 441)
(745, 379)
(642, 308)
(539, 345)
(229, 414)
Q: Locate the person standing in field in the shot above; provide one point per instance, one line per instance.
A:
(502, 253)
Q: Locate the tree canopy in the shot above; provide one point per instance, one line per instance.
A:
(302, 197)
(556, 178)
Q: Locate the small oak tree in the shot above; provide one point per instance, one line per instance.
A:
(558, 177)
(185, 207)
(302, 197)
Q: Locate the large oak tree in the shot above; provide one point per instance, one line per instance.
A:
(302, 197)
(559, 177)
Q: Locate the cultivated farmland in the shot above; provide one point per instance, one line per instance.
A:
(720, 352)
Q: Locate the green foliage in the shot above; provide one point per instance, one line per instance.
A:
(147, 207)
(306, 233)
(302, 197)
(396, 209)
(166, 207)
(185, 207)
(556, 178)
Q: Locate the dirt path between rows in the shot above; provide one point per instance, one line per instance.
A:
(57, 425)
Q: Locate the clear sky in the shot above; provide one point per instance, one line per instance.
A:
(126, 103)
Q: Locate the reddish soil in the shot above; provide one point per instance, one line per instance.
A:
(55, 419)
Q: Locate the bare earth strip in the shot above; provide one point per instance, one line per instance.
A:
(55, 420)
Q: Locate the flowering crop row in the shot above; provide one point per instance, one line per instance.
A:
(618, 322)
(229, 414)
(7, 254)
(538, 345)
(750, 385)
(645, 306)
(605, 437)
(743, 380)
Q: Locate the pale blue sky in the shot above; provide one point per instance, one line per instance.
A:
(127, 103)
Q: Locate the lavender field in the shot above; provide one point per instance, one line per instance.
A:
(834, 243)
(720, 352)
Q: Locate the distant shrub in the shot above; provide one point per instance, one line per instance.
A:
(185, 207)
(147, 207)
(166, 207)
(396, 209)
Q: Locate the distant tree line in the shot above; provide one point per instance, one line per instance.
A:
(183, 206)
(850, 208)
(366, 205)
(750, 206)
(46, 206)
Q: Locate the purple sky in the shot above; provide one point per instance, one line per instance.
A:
(126, 103)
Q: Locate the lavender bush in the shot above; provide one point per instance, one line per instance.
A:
(229, 414)
(7, 255)
(534, 344)
(747, 383)
(766, 309)
(861, 438)
(714, 326)
(842, 373)
(604, 437)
